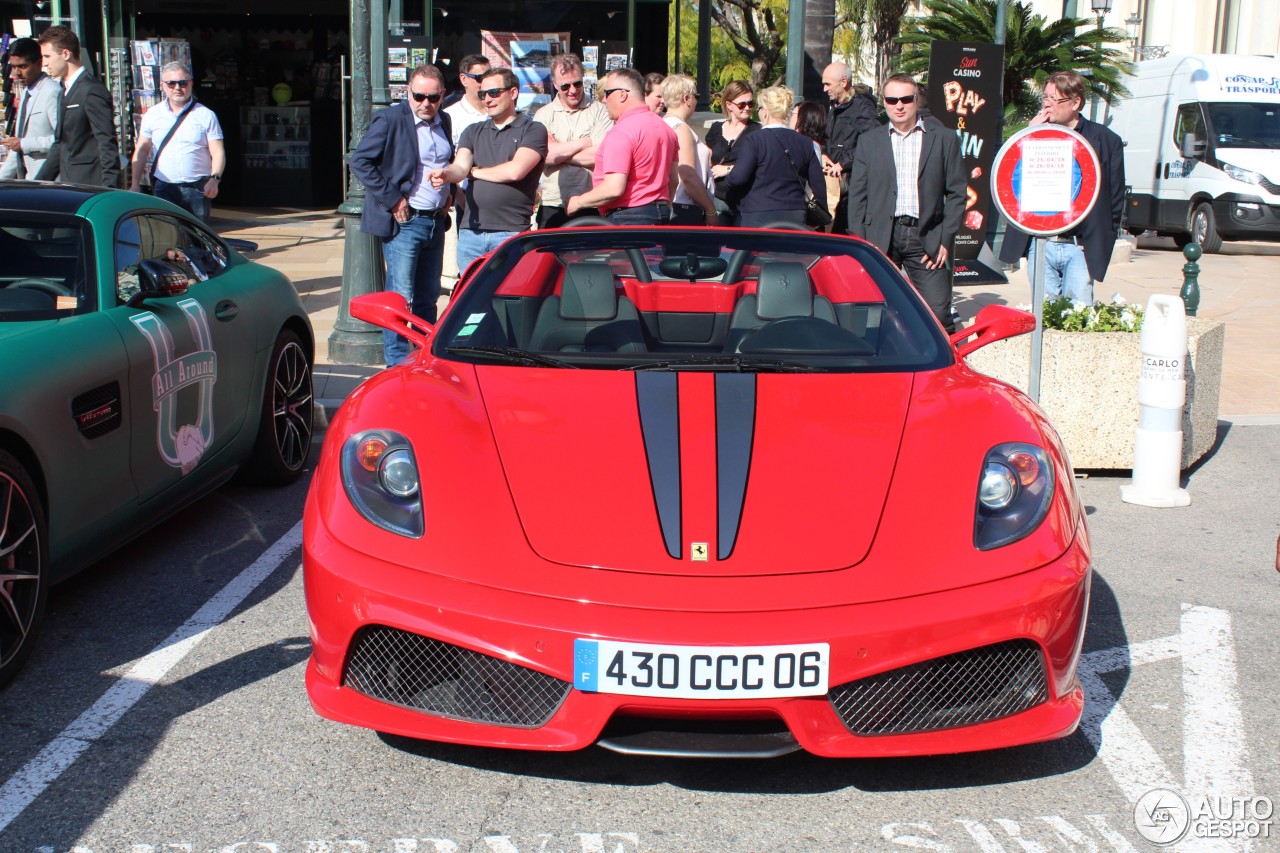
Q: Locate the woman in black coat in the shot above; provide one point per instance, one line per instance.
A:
(773, 166)
(736, 102)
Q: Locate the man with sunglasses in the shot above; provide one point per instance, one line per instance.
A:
(632, 174)
(501, 159)
(186, 138)
(575, 127)
(1078, 258)
(404, 144)
(24, 152)
(84, 148)
(851, 114)
(468, 109)
(907, 193)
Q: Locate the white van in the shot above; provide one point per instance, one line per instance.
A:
(1202, 148)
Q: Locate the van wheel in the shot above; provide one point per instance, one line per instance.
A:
(1204, 230)
(23, 571)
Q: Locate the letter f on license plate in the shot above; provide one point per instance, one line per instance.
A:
(701, 672)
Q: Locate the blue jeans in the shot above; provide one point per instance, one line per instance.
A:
(657, 213)
(414, 256)
(473, 244)
(1065, 271)
(189, 198)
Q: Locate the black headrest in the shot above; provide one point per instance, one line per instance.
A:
(587, 292)
(783, 290)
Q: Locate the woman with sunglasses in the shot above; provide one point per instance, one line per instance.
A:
(736, 102)
(776, 168)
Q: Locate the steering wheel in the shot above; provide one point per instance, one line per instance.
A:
(803, 336)
(44, 285)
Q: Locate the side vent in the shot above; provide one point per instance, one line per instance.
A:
(97, 412)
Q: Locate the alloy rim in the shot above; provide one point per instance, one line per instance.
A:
(19, 568)
(292, 406)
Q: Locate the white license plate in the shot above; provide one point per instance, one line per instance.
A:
(701, 672)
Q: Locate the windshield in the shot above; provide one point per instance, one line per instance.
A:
(44, 271)
(1245, 125)
(693, 299)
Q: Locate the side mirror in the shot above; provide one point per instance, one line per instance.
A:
(993, 323)
(390, 311)
(159, 279)
(1191, 146)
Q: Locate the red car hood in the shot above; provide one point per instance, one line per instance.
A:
(698, 473)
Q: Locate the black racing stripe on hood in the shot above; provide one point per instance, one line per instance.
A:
(658, 401)
(735, 428)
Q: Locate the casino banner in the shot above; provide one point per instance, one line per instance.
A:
(965, 84)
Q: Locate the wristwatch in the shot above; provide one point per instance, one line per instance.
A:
(217, 178)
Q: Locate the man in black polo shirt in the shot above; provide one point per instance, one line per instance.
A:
(503, 157)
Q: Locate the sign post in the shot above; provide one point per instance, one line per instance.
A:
(1045, 182)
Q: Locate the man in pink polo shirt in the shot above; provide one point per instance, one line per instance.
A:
(632, 175)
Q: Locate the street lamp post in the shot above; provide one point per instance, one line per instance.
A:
(1133, 23)
(1100, 8)
(355, 341)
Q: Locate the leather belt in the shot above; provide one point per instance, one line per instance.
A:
(1064, 238)
(434, 212)
(909, 221)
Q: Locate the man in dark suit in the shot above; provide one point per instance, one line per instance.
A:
(405, 143)
(1078, 258)
(907, 194)
(84, 148)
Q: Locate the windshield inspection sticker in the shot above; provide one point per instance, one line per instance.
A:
(181, 446)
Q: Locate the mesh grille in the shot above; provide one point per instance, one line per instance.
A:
(963, 689)
(97, 412)
(438, 678)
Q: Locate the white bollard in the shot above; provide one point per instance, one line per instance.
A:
(1162, 392)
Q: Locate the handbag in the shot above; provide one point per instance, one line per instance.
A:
(814, 214)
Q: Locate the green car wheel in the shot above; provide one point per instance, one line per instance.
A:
(23, 581)
(288, 414)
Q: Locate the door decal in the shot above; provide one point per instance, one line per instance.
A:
(181, 446)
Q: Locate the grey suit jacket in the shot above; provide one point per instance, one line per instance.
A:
(873, 188)
(42, 114)
(84, 149)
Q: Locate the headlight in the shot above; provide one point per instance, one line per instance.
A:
(1014, 493)
(380, 476)
(1242, 174)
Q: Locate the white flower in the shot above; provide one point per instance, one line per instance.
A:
(1066, 312)
(1077, 305)
(1117, 299)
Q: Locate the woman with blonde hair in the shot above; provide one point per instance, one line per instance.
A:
(773, 166)
(736, 102)
(692, 203)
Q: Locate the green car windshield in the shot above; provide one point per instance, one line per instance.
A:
(691, 299)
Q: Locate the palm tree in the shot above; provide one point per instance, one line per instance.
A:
(1033, 49)
(860, 24)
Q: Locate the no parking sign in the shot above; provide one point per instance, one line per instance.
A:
(1045, 179)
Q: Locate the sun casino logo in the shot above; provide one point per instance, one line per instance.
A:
(181, 446)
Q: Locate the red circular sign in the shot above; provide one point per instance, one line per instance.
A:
(1064, 183)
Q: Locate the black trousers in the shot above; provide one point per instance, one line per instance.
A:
(555, 217)
(934, 285)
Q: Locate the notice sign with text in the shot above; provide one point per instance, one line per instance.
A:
(1046, 175)
(1045, 179)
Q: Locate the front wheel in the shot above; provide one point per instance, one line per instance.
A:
(1204, 228)
(23, 571)
(288, 415)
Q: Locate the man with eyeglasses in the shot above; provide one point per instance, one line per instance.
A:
(850, 114)
(1078, 258)
(632, 175)
(25, 151)
(84, 148)
(575, 127)
(907, 193)
(501, 159)
(404, 144)
(186, 139)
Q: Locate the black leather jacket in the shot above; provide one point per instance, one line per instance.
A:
(845, 123)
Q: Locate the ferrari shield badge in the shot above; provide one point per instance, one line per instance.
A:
(698, 552)
(181, 446)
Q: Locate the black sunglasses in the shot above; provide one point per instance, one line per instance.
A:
(490, 93)
(906, 99)
(476, 77)
(608, 92)
(174, 83)
(743, 105)
(576, 84)
(422, 96)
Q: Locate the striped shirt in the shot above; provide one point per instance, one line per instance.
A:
(906, 158)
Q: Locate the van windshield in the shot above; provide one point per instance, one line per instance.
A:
(1245, 125)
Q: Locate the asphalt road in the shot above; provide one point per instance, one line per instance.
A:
(164, 712)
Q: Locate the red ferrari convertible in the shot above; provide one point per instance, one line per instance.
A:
(695, 492)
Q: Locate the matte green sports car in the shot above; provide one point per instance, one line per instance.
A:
(143, 362)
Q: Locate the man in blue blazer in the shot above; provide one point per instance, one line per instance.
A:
(84, 150)
(403, 144)
(1078, 258)
(907, 194)
(24, 152)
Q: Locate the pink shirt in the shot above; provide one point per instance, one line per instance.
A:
(641, 146)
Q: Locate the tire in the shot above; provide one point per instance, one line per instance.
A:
(1181, 240)
(288, 415)
(1204, 229)
(24, 576)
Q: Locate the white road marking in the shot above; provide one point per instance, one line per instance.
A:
(23, 787)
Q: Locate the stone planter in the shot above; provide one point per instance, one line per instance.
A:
(1089, 388)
